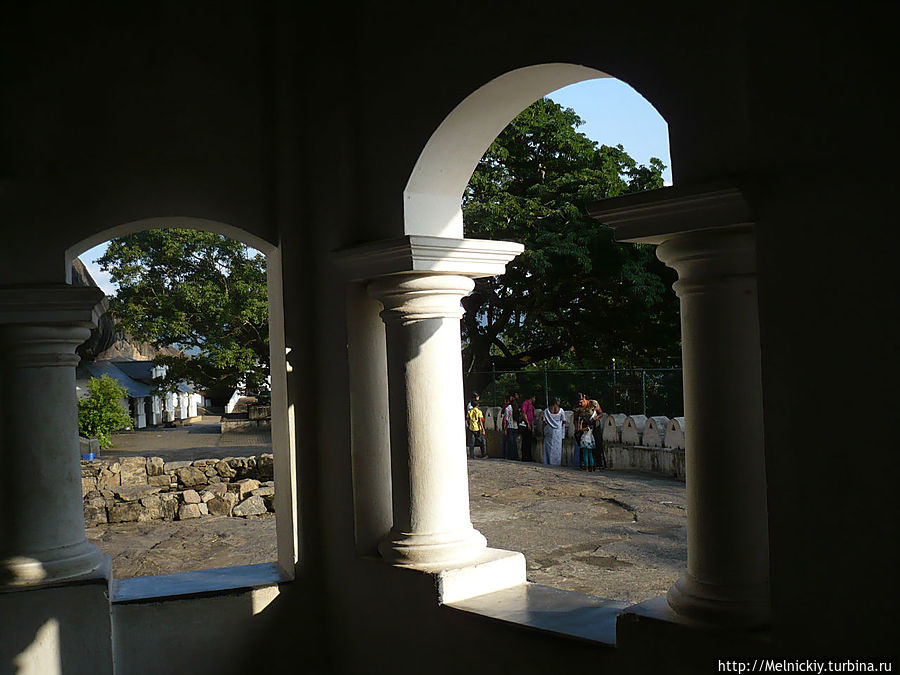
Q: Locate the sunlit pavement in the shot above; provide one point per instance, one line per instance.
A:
(202, 440)
(615, 534)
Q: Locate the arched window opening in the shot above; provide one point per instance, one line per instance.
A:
(577, 317)
(182, 401)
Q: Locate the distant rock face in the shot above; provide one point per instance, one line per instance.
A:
(126, 347)
(104, 335)
(106, 342)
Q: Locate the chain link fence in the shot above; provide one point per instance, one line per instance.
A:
(632, 391)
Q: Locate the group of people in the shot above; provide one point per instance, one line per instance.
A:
(519, 419)
(515, 419)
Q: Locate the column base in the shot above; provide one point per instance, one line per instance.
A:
(724, 606)
(490, 571)
(48, 567)
(446, 548)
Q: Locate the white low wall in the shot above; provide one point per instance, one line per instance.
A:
(641, 443)
(655, 431)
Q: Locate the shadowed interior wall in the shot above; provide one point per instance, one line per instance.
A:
(303, 128)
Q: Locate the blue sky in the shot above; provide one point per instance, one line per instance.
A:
(613, 113)
(101, 277)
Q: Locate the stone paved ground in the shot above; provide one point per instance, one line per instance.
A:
(164, 547)
(616, 535)
(197, 441)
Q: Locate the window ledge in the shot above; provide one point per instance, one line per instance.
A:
(547, 609)
(198, 583)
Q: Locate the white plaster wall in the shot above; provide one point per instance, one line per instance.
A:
(57, 630)
(235, 397)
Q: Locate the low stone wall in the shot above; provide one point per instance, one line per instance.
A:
(668, 462)
(139, 489)
(232, 423)
(665, 461)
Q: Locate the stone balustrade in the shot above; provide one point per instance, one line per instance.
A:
(655, 432)
(675, 431)
(612, 427)
(139, 489)
(633, 429)
(634, 442)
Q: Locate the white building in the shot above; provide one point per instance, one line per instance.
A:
(147, 408)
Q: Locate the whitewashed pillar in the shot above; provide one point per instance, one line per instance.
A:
(420, 282)
(705, 232)
(727, 579)
(42, 538)
(429, 474)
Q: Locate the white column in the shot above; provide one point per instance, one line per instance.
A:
(430, 490)
(420, 281)
(370, 440)
(727, 579)
(42, 538)
(141, 417)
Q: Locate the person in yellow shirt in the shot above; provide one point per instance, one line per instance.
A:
(475, 430)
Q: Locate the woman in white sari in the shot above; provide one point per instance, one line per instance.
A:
(554, 430)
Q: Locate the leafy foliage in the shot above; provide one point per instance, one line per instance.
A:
(201, 292)
(574, 296)
(101, 413)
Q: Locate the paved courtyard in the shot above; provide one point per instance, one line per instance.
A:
(616, 534)
(202, 440)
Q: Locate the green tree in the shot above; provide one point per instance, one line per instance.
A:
(575, 296)
(200, 292)
(101, 413)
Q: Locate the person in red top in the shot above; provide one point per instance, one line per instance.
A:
(526, 428)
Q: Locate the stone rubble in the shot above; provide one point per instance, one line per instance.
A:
(140, 489)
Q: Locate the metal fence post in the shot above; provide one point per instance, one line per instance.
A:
(546, 388)
(644, 389)
(493, 384)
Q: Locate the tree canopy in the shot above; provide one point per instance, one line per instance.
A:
(200, 292)
(575, 295)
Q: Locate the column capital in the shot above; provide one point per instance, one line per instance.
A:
(413, 297)
(655, 216)
(52, 305)
(471, 258)
(707, 257)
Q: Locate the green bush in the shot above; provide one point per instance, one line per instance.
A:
(101, 412)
